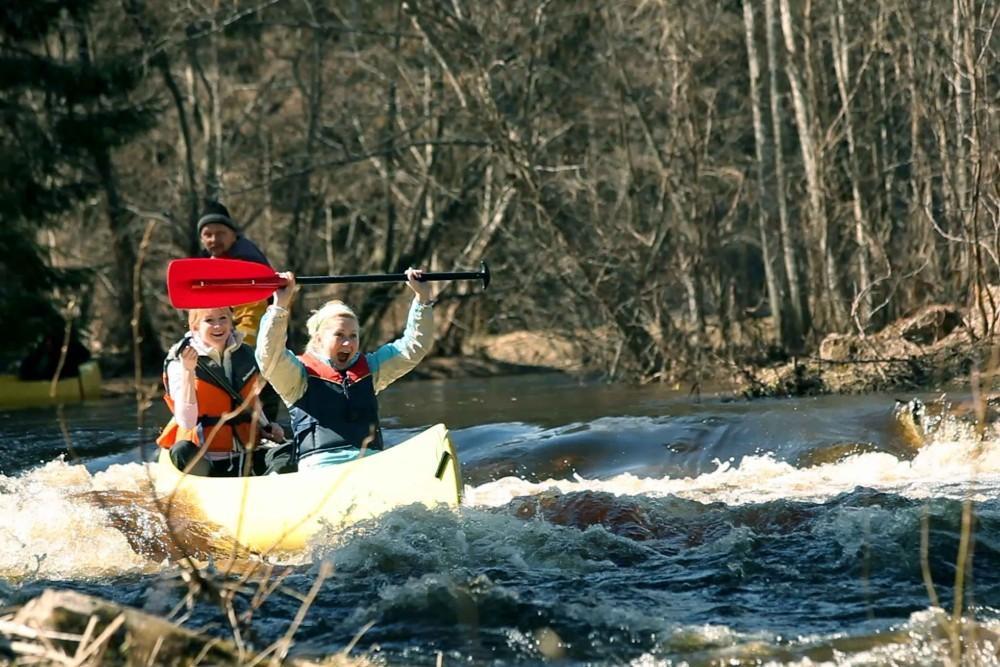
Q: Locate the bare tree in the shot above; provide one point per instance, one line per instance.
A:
(800, 313)
(772, 276)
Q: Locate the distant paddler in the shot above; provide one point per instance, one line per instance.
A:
(221, 238)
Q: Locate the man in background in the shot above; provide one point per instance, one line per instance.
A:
(221, 237)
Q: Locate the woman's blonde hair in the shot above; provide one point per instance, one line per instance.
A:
(330, 309)
(196, 315)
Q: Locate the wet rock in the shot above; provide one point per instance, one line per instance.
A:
(908, 417)
(978, 412)
(67, 627)
(833, 453)
(908, 426)
(95, 631)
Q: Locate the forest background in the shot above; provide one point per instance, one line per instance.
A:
(661, 186)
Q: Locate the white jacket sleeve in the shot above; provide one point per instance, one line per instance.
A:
(277, 364)
(394, 360)
(180, 384)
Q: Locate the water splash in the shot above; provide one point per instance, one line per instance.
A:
(60, 521)
(955, 463)
(49, 532)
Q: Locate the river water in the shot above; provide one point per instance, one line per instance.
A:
(600, 525)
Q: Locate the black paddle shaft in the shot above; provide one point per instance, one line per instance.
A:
(483, 274)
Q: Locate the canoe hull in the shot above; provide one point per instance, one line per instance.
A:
(15, 393)
(282, 512)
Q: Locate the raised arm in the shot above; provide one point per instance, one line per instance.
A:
(277, 364)
(394, 360)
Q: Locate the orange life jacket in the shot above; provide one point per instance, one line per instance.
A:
(214, 400)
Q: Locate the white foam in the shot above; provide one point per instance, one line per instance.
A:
(954, 464)
(48, 532)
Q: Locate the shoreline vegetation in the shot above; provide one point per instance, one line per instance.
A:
(936, 346)
(679, 212)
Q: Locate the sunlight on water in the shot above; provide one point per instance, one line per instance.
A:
(49, 532)
(926, 638)
(953, 464)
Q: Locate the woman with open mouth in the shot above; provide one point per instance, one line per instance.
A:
(330, 389)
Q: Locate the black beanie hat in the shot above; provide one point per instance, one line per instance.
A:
(217, 213)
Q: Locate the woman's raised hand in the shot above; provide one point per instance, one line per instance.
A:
(189, 358)
(283, 296)
(421, 288)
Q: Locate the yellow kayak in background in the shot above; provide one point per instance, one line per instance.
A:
(282, 512)
(16, 393)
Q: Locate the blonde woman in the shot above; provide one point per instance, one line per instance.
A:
(208, 373)
(331, 388)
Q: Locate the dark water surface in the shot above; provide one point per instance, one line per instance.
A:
(601, 525)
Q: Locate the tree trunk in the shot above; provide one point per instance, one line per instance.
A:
(862, 235)
(305, 209)
(125, 259)
(800, 320)
(771, 276)
(829, 293)
(392, 107)
(136, 334)
(491, 216)
(136, 10)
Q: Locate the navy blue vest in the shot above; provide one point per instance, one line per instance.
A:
(338, 408)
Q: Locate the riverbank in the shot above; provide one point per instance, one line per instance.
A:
(431, 369)
(938, 345)
(517, 353)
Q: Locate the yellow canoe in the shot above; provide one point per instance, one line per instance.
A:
(282, 512)
(15, 393)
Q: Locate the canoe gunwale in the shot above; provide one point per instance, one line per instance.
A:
(284, 512)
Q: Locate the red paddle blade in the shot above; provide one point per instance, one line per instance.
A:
(216, 283)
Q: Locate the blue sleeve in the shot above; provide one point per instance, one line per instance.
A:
(394, 360)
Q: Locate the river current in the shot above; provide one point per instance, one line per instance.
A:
(600, 525)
